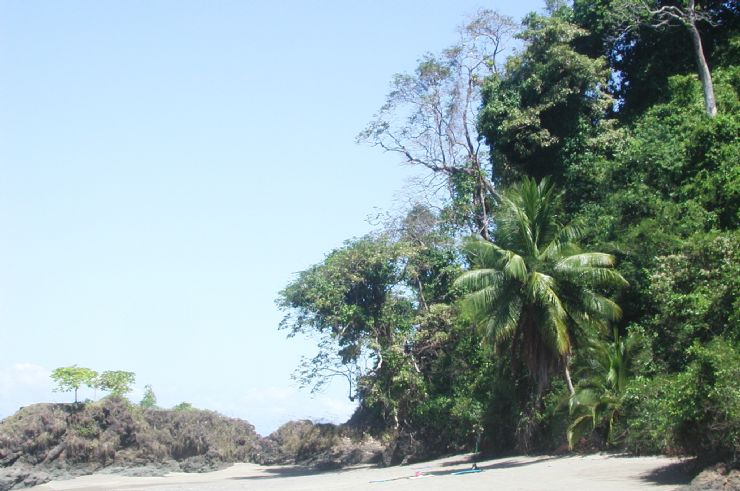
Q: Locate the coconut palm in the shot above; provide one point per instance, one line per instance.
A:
(533, 286)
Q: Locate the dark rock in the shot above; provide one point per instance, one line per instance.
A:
(201, 463)
(149, 470)
(717, 478)
(21, 476)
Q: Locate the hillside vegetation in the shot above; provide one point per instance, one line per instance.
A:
(569, 276)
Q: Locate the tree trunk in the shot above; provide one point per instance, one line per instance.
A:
(567, 377)
(710, 105)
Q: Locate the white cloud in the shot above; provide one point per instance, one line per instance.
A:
(22, 384)
(22, 376)
(269, 395)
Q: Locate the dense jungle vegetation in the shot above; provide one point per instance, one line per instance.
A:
(568, 273)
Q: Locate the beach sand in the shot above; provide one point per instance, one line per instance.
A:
(590, 472)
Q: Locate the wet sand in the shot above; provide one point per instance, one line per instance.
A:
(602, 472)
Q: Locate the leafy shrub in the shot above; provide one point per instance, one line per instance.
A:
(449, 423)
(183, 406)
(696, 411)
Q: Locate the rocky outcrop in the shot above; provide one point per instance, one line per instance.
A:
(320, 446)
(47, 441)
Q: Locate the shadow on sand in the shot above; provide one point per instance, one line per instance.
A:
(507, 464)
(673, 474)
(290, 471)
(447, 468)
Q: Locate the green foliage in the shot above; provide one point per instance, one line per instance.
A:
(352, 301)
(117, 382)
(184, 406)
(550, 93)
(683, 156)
(87, 429)
(535, 290)
(348, 296)
(666, 204)
(72, 378)
(458, 371)
(695, 295)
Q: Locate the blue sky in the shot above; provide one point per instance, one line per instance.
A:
(167, 166)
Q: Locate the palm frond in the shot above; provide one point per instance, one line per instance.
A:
(562, 243)
(503, 322)
(586, 259)
(596, 277)
(578, 428)
(515, 267)
(583, 397)
(541, 289)
(477, 279)
(483, 254)
(479, 304)
(599, 306)
(560, 330)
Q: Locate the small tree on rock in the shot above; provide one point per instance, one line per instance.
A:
(150, 399)
(72, 378)
(117, 382)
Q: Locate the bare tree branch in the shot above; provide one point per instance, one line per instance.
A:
(429, 117)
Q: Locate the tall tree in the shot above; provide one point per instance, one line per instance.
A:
(533, 286)
(656, 14)
(430, 116)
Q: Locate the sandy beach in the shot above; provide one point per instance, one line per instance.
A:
(602, 472)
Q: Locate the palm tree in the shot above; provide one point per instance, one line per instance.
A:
(599, 395)
(533, 286)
